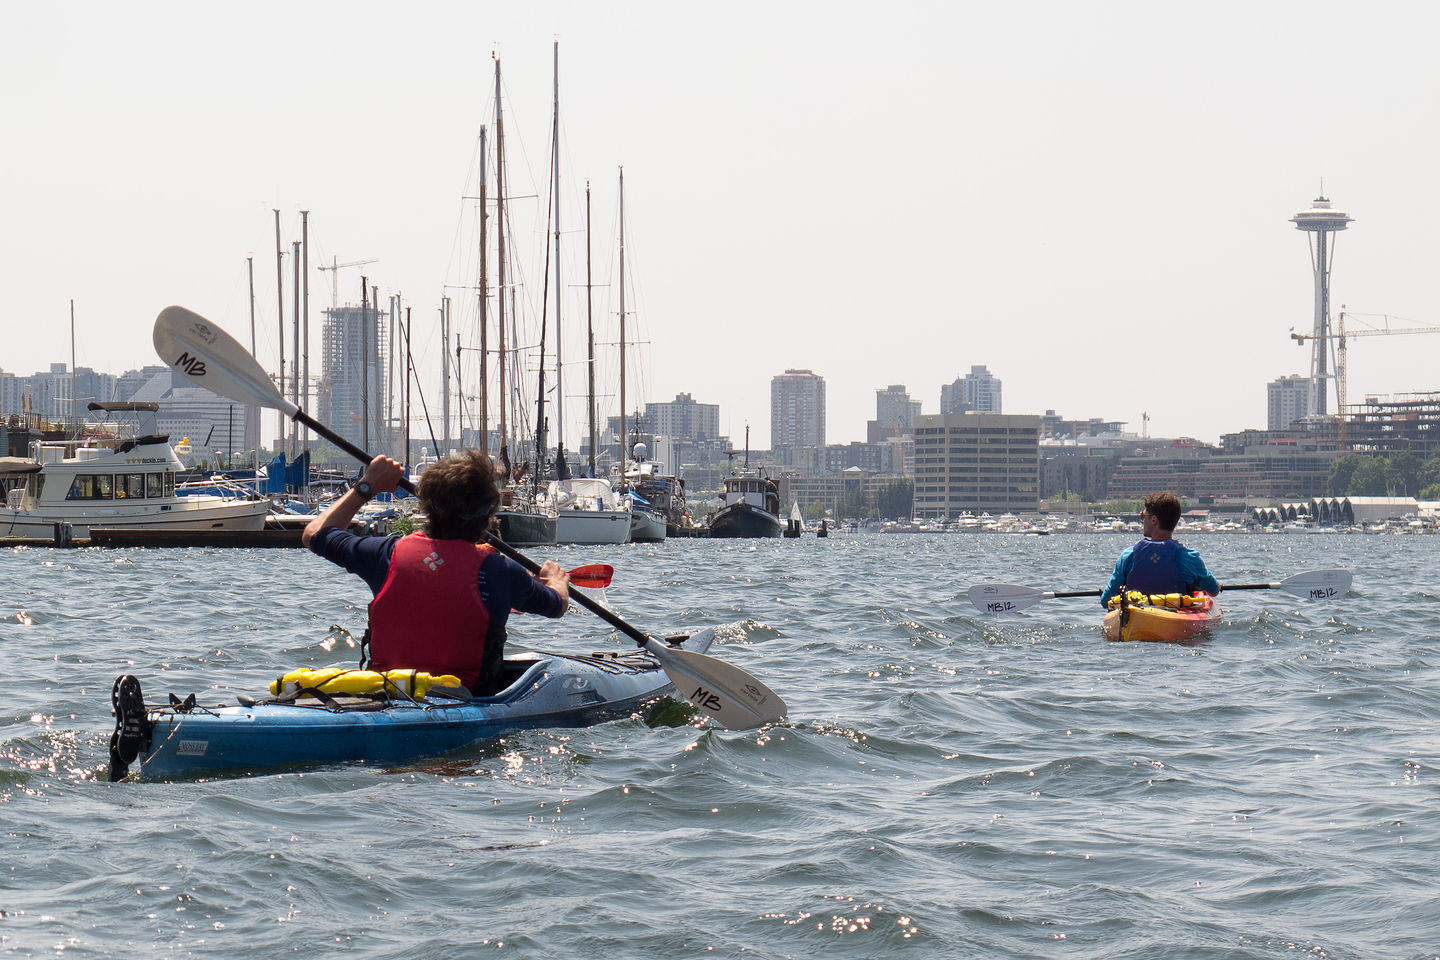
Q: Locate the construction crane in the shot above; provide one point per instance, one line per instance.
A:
(1340, 336)
(335, 268)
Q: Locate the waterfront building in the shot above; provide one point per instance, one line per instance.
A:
(1268, 469)
(977, 392)
(976, 463)
(1081, 471)
(797, 410)
(874, 458)
(1287, 400)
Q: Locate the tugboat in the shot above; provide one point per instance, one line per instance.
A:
(751, 504)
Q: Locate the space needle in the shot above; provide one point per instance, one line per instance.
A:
(1320, 221)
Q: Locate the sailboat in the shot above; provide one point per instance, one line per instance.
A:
(647, 525)
(521, 521)
(751, 506)
(587, 509)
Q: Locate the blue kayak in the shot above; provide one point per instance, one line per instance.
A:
(184, 739)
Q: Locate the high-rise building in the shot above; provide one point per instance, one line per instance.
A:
(797, 410)
(1320, 222)
(1287, 400)
(895, 413)
(352, 382)
(976, 463)
(977, 392)
(684, 418)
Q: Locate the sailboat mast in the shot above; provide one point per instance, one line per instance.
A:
(445, 376)
(622, 322)
(484, 301)
(295, 354)
(280, 321)
(304, 399)
(500, 248)
(559, 330)
(590, 329)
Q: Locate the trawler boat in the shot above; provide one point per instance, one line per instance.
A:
(751, 508)
(129, 484)
(750, 504)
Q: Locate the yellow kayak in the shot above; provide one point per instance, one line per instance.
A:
(1163, 617)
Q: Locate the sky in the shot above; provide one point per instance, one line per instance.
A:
(1090, 199)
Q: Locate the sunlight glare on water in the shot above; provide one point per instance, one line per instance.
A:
(947, 784)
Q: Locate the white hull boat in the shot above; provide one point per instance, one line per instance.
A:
(588, 512)
(130, 485)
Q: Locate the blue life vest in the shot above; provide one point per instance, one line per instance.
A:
(1156, 567)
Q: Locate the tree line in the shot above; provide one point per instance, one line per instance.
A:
(1401, 474)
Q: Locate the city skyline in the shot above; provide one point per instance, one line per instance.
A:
(1073, 195)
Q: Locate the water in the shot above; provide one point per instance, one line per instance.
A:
(947, 785)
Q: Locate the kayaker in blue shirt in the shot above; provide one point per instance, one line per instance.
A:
(1159, 564)
(441, 598)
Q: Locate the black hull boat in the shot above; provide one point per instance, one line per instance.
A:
(744, 520)
(524, 528)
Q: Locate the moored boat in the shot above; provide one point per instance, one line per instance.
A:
(1174, 617)
(544, 690)
(131, 484)
(751, 508)
(587, 511)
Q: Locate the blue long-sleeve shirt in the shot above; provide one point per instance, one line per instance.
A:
(1191, 568)
(504, 584)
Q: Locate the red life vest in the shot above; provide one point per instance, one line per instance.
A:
(428, 614)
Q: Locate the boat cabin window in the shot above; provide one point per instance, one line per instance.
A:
(91, 486)
(155, 484)
(129, 486)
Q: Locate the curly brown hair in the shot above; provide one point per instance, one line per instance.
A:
(1165, 508)
(459, 496)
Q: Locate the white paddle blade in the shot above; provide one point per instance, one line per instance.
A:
(209, 357)
(1004, 597)
(726, 693)
(1317, 584)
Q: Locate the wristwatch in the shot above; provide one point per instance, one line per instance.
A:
(364, 489)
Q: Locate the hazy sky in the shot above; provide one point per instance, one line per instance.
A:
(1089, 198)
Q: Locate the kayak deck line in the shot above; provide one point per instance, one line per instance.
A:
(544, 690)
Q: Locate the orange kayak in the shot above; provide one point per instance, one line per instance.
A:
(1163, 621)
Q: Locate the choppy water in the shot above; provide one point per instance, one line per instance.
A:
(947, 785)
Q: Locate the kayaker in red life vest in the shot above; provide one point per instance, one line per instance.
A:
(441, 598)
(1159, 564)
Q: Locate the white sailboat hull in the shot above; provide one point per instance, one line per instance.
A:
(592, 526)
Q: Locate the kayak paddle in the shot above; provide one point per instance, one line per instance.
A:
(1310, 585)
(592, 576)
(211, 358)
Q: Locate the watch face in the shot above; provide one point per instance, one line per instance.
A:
(364, 488)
